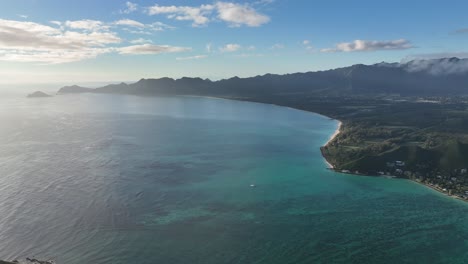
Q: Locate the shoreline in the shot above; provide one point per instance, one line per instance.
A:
(437, 189)
(332, 137)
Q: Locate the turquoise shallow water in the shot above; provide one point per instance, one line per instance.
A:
(123, 179)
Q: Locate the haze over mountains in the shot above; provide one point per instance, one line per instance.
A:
(438, 77)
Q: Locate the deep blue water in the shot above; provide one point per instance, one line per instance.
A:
(124, 179)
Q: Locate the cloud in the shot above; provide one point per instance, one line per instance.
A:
(230, 48)
(263, 2)
(209, 47)
(461, 31)
(23, 41)
(365, 45)
(277, 46)
(23, 16)
(237, 15)
(234, 14)
(196, 57)
(130, 8)
(136, 27)
(145, 49)
(129, 22)
(438, 55)
(16, 35)
(141, 41)
(198, 15)
(308, 46)
(87, 24)
(444, 65)
(158, 26)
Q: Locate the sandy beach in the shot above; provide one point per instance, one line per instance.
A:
(337, 131)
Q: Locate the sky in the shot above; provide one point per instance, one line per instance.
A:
(73, 42)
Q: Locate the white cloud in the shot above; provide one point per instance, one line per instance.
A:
(130, 8)
(129, 22)
(251, 48)
(198, 15)
(234, 14)
(87, 24)
(277, 46)
(16, 35)
(151, 49)
(23, 16)
(230, 48)
(365, 45)
(158, 26)
(196, 57)
(209, 47)
(237, 15)
(438, 55)
(141, 41)
(306, 42)
(264, 2)
(79, 40)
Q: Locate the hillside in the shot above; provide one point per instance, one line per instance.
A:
(440, 77)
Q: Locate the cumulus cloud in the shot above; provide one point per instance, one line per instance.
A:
(151, 49)
(16, 35)
(234, 14)
(87, 24)
(196, 57)
(130, 8)
(230, 48)
(129, 22)
(237, 15)
(365, 45)
(24, 41)
(198, 15)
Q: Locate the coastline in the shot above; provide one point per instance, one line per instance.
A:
(439, 190)
(332, 137)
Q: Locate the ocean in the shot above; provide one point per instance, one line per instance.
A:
(92, 178)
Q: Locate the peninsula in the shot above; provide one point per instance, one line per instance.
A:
(407, 120)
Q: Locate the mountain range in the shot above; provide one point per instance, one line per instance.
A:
(436, 77)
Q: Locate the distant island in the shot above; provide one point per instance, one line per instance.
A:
(38, 94)
(406, 120)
